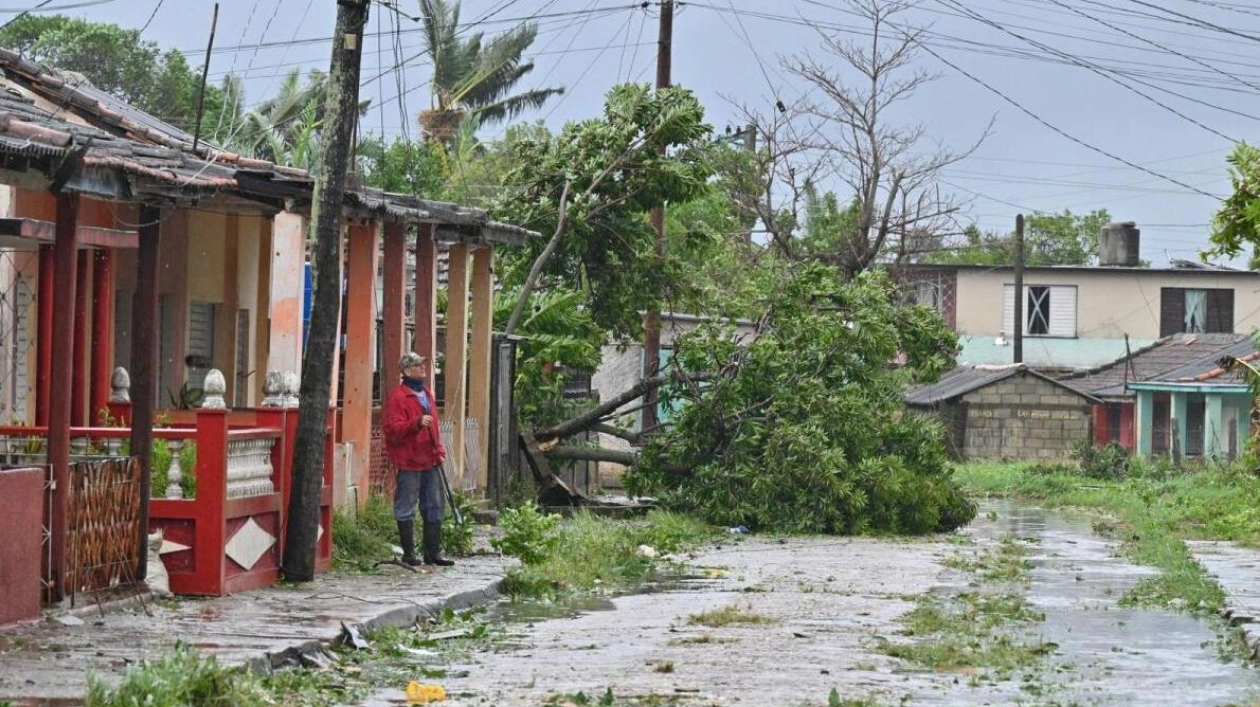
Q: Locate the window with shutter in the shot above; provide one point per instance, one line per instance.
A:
(1049, 310)
(1195, 311)
(200, 342)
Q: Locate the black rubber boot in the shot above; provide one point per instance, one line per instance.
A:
(433, 545)
(407, 536)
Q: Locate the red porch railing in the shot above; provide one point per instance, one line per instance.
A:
(227, 535)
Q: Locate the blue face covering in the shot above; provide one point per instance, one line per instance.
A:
(416, 385)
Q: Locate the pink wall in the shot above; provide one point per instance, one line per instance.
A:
(21, 501)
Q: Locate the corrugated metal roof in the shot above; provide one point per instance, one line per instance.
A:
(959, 381)
(966, 379)
(1171, 359)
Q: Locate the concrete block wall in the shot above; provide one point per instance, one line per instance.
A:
(1024, 417)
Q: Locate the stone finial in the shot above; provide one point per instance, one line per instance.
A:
(292, 387)
(215, 387)
(273, 390)
(120, 385)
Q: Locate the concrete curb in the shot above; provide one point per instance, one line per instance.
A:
(397, 617)
(1236, 570)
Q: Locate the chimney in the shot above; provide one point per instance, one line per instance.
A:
(1118, 245)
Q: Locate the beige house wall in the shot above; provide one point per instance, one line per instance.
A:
(1110, 304)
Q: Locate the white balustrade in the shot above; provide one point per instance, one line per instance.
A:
(175, 473)
(249, 467)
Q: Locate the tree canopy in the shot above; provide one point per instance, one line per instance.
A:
(804, 430)
(1061, 238)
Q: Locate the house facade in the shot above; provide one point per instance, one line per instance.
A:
(1080, 317)
(1174, 398)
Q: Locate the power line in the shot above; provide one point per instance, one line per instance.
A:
(1095, 69)
(1058, 130)
(43, 6)
(151, 16)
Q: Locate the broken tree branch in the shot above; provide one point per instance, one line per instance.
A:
(592, 417)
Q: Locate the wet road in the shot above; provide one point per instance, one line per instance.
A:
(825, 605)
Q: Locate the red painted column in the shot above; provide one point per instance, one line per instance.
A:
(425, 342)
(360, 328)
(65, 254)
(43, 365)
(102, 332)
(79, 399)
(212, 443)
(395, 296)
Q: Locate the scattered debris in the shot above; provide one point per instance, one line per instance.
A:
(352, 636)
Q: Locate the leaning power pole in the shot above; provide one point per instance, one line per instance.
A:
(341, 108)
(652, 320)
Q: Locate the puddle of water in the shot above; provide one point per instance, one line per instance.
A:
(1119, 656)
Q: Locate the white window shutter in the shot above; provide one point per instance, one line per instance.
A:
(1063, 311)
(1008, 310)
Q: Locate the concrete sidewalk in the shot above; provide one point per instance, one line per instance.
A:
(1237, 569)
(270, 627)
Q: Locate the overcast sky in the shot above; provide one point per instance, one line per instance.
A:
(1064, 62)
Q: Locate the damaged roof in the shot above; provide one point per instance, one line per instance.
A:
(82, 138)
(1181, 358)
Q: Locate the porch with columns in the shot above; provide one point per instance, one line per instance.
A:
(1212, 421)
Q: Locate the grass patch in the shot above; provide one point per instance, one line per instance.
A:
(611, 699)
(369, 535)
(970, 631)
(591, 553)
(184, 676)
(727, 616)
(1008, 562)
(1153, 511)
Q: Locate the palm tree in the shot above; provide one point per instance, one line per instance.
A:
(471, 78)
(282, 129)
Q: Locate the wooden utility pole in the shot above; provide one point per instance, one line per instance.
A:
(341, 109)
(1019, 289)
(652, 320)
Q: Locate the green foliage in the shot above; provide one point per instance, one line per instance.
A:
(365, 537)
(1049, 239)
(649, 148)
(457, 538)
(161, 461)
(1108, 462)
(1237, 224)
(560, 340)
(179, 678)
(115, 60)
(528, 534)
(588, 552)
(805, 432)
(402, 166)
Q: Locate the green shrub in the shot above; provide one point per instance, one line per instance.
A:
(528, 534)
(161, 461)
(179, 678)
(457, 538)
(1108, 462)
(362, 538)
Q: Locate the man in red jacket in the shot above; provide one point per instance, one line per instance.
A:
(414, 445)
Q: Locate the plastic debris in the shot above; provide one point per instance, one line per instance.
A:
(421, 694)
(353, 636)
(647, 551)
(737, 530)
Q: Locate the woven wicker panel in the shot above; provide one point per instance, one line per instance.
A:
(103, 547)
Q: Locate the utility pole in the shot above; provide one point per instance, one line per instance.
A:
(652, 320)
(1019, 288)
(341, 109)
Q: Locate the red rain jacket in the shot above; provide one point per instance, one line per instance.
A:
(410, 446)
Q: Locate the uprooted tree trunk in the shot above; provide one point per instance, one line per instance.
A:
(542, 446)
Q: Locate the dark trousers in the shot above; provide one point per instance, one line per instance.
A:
(419, 487)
